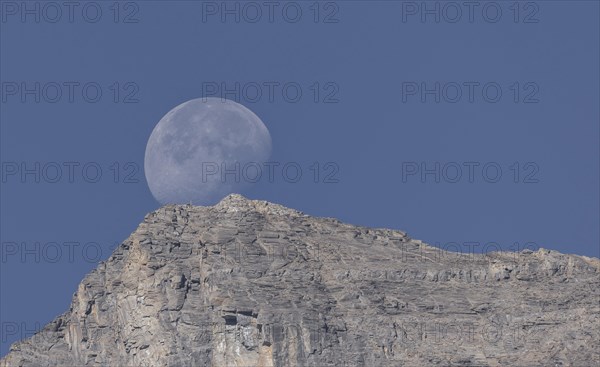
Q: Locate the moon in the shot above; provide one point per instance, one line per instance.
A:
(196, 150)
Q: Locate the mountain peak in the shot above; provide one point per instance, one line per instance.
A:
(252, 283)
(234, 199)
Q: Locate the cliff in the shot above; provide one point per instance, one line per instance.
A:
(250, 283)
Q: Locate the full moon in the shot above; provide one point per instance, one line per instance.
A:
(197, 151)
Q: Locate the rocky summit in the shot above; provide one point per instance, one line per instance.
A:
(251, 283)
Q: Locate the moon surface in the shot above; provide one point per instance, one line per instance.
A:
(197, 138)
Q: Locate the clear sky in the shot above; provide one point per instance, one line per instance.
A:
(478, 127)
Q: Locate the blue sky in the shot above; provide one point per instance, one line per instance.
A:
(480, 128)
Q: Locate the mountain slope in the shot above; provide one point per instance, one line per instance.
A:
(250, 283)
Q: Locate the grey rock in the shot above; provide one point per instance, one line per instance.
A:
(250, 283)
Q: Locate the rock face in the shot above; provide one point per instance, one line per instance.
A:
(250, 283)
